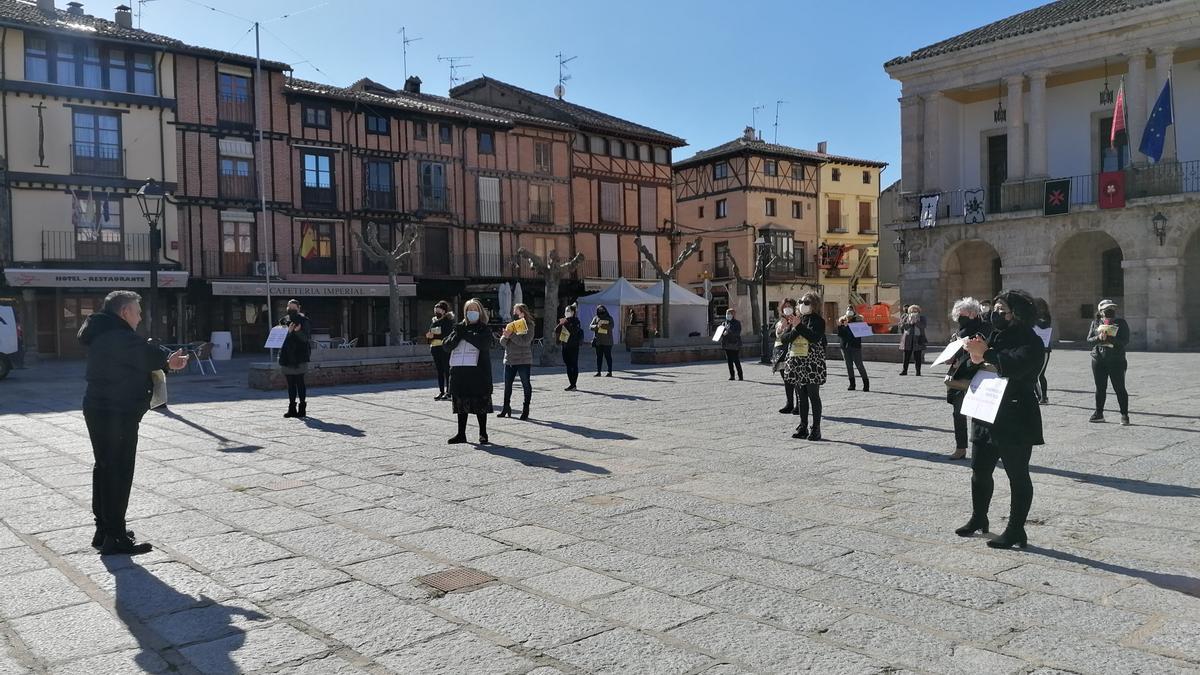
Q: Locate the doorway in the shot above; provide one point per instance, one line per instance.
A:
(997, 169)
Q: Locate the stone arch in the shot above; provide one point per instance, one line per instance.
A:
(970, 267)
(1087, 267)
(1191, 290)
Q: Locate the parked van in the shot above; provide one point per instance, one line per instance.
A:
(8, 340)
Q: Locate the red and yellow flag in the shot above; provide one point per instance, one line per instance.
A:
(1118, 123)
(308, 242)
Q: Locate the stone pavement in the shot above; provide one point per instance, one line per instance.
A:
(661, 521)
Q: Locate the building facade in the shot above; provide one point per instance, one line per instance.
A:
(1012, 121)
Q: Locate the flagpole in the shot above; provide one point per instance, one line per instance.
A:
(1174, 120)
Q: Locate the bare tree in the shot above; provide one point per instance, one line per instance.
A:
(552, 272)
(752, 284)
(665, 277)
(393, 260)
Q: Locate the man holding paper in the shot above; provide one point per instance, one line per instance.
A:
(1013, 355)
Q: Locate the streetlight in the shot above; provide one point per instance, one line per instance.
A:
(763, 248)
(901, 248)
(1160, 227)
(151, 198)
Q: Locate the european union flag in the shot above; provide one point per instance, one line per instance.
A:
(1156, 127)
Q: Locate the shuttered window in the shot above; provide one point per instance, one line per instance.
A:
(610, 203)
(489, 254)
(489, 200)
(609, 269)
(648, 208)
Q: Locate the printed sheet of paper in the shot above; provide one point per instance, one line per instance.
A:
(1044, 333)
(719, 334)
(276, 337)
(983, 399)
(564, 336)
(519, 327)
(465, 354)
(949, 352)
(860, 329)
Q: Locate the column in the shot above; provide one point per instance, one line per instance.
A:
(1016, 127)
(1037, 124)
(29, 323)
(1164, 58)
(911, 152)
(933, 145)
(1135, 102)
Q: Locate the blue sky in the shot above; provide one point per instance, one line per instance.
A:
(691, 68)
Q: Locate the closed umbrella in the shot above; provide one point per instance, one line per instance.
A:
(505, 300)
(518, 296)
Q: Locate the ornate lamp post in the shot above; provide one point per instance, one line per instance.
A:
(763, 248)
(1159, 221)
(151, 198)
(901, 248)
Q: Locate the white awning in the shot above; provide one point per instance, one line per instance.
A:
(236, 147)
(300, 290)
(112, 279)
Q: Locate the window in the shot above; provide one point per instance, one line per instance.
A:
(237, 178)
(865, 226)
(644, 152)
(615, 148)
(835, 175)
(420, 130)
(104, 225)
(700, 211)
(37, 60)
(610, 203)
(318, 258)
(580, 142)
(143, 73)
(769, 208)
(491, 258)
(445, 133)
(96, 146)
(93, 70)
(433, 193)
(721, 260)
(233, 99)
(67, 64)
(316, 116)
(596, 145)
(784, 247)
(797, 210)
(1113, 158)
(720, 170)
(79, 63)
(835, 215)
(1112, 277)
(237, 248)
(380, 192)
(118, 70)
(541, 208)
(771, 167)
(662, 155)
(648, 208)
(487, 142)
(317, 177)
(542, 158)
(377, 124)
(489, 200)
(722, 208)
(385, 233)
(866, 178)
(798, 172)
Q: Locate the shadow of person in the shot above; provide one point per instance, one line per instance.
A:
(334, 428)
(536, 459)
(162, 618)
(1171, 582)
(619, 397)
(586, 432)
(882, 424)
(224, 444)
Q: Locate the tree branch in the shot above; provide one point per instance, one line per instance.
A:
(650, 257)
(687, 253)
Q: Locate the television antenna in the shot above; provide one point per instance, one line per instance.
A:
(141, 9)
(754, 118)
(779, 103)
(404, 42)
(456, 63)
(560, 89)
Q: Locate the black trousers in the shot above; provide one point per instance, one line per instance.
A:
(853, 356)
(916, 356)
(733, 357)
(808, 397)
(441, 361)
(960, 423)
(1104, 371)
(1043, 392)
(510, 375)
(1016, 465)
(571, 359)
(296, 388)
(604, 352)
(114, 438)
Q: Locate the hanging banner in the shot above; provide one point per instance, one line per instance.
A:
(111, 279)
(973, 207)
(929, 210)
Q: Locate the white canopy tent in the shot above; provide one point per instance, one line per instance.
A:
(615, 298)
(689, 312)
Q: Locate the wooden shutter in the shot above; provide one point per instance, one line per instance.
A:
(490, 263)
(489, 200)
(608, 256)
(864, 217)
(610, 203)
(648, 208)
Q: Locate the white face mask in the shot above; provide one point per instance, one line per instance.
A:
(570, 314)
(472, 316)
(806, 309)
(788, 311)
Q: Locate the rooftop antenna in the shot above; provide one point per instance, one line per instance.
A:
(754, 118)
(560, 89)
(778, 104)
(456, 62)
(141, 9)
(404, 42)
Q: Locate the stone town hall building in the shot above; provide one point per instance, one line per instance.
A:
(990, 116)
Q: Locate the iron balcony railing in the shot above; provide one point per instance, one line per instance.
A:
(379, 200)
(233, 186)
(318, 198)
(611, 269)
(229, 265)
(97, 159)
(434, 198)
(235, 110)
(99, 246)
(541, 212)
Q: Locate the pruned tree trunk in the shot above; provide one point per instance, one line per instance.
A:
(664, 315)
(552, 272)
(393, 260)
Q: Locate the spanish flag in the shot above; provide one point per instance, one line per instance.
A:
(308, 242)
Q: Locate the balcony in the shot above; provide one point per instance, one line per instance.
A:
(379, 200)
(837, 223)
(236, 110)
(541, 212)
(610, 269)
(434, 198)
(226, 265)
(318, 198)
(108, 247)
(233, 186)
(97, 159)
(791, 267)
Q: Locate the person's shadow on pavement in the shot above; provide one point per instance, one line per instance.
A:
(143, 600)
(333, 427)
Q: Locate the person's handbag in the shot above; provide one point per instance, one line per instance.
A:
(158, 397)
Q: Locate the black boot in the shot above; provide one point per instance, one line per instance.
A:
(815, 434)
(291, 410)
(525, 411)
(975, 524)
(506, 411)
(461, 436)
(483, 437)
(1012, 536)
(302, 411)
(802, 428)
(866, 384)
(123, 546)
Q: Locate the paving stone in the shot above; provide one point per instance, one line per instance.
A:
(646, 609)
(754, 568)
(452, 544)
(334, 544)
(279, 578)
(386, 521)
(764, 648)
(964, 590)
(1081, 585)
(129, 661)
(520, 617)
(326, 665)
(454, 653)
(1177, 638)
(72, 633)
(1076, 616)
(267, 647)
(769, 604)
(37, 591)
(395, 570)
(271, 520)
(232, 549)
(1075, 653)
(574, 584)
(18, 560)
(534, 537)
(626, 652)
(895, 644)
(516, 565)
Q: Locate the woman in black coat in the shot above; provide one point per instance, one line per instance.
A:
(805, 366)
(731, 342)
(1016, 353)
(1043, 323)
(1109, 336)
(966, 314)
(852, 350)
(570, 335)
(440, 326)
(471, 382)
(294, 356)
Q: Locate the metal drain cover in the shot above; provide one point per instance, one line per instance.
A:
(284, 485)
(455, 579)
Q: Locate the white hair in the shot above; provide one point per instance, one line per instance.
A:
(966, 306)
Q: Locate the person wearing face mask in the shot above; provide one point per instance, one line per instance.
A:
(965, 314)
(805, 366)
(912, 338)
(1015, 352)
(1109, 336)
(570, 335)
(602, 338)
(731, 342)
(852, 349)
(439, 327)
(294, 357)
(787, 309)
(518, 359)
(986, 314)
(1044, 323)
(471, 379)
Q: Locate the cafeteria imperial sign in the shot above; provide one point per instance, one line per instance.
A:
(110, 279)
(310, 290)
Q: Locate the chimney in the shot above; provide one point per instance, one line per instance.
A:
(748, 134)
(124, 17)
(823, 147)
(413, 85)
(46, 6)
(75, 8)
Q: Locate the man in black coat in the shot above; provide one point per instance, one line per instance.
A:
(119, 389)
